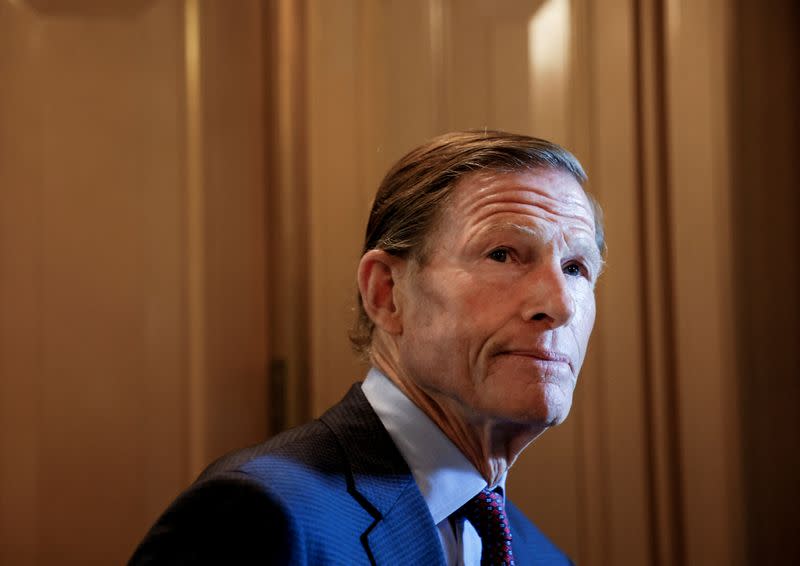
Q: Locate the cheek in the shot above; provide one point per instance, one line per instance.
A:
(442, 328)
(431, 317)
(588, 314)
(475, 304)
(583, 323)
(446, 299)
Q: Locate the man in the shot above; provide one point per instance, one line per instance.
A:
(476, 291)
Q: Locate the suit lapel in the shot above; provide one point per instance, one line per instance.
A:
(406, 535)
(403, 531)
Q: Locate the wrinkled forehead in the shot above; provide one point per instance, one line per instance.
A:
(479, 181)
(480, 191)
(552, 193)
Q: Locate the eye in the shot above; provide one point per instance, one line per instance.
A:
(499, 255)
(574, 270)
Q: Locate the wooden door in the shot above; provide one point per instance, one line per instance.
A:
(132, 312)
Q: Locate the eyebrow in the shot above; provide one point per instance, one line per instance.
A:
(589, 251)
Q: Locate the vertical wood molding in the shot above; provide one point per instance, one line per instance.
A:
(22, 320)
(697, 90)
(437, 26)
(653, 170)
(619, 495)
(288, 203)
(195, 243)
(228, 306)
(593, 470)
(590, 414)
(333, 86)
(765, 143)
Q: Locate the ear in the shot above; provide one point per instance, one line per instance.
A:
(377, 273)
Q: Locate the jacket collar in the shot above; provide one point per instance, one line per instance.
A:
(379, 479)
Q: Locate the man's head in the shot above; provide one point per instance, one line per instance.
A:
(477, 279)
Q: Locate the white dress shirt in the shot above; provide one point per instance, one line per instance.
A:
(443, 474)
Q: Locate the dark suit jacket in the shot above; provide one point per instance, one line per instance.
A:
(334, 491)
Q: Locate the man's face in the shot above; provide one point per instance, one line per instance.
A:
(496, 321)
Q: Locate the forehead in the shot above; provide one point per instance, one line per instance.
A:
(542, 197)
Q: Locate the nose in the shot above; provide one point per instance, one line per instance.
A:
(549, 300)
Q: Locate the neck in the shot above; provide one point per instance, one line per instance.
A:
(491, 445)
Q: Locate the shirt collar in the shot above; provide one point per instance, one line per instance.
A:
(446, 479)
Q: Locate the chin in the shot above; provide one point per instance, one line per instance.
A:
(511, 391)
(547, 417)
(548, 407)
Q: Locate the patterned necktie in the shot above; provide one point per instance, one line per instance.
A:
(486, 513)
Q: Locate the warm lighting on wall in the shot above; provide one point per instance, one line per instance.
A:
(548, 37)
(548, 64)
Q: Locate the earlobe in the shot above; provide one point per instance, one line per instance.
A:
(377, 274)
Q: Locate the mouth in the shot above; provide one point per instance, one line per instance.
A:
(544, 357)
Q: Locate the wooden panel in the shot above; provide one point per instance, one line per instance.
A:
(287, 172)
(91, 146)
(659, 344)
(234, 235)
(697, 71)
(621, 419)
(765, 144)
(21, 322)
(336, 210)
(94, 269)
(467, 48)
(548, 57)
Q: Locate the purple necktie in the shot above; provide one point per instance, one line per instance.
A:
(486, 513)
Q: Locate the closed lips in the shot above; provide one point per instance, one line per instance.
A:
(541, 355)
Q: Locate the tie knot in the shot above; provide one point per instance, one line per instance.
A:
(487, 514)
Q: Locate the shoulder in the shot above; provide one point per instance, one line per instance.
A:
(319, 455)
(311, 446)
(247, 506)
(531, 545)
(304, 472)
(286, 501)
(215, 521)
